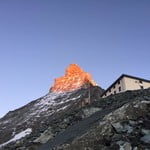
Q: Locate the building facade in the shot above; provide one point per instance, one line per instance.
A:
(126, 82)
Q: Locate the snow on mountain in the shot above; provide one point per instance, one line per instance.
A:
(35, 123)
(36, 116)
(18, 136)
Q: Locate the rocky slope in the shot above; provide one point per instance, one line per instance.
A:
(34, 124)
(43, 119)
(67, 121)
(121, 123)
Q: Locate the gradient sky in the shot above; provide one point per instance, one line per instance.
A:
(40, 38)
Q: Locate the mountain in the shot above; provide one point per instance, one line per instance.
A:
(120, 122)
(72, 115)
(37, 122)
(74, 78)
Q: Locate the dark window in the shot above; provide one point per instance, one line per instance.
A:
(109, 90)
(118, 82)
(114, 87)
(119, 88)
(141, 87)
(114, 92)
(140, 81)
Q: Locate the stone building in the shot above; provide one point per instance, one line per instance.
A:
(125, 83)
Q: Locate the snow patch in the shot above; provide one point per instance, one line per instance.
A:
(62, 108)
(18, 136)
(50, 101)
(48, 105)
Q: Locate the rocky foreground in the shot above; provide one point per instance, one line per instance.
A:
(32, 125)
(68, 122)
(121, 123)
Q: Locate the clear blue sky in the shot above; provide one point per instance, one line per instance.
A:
(40, 38)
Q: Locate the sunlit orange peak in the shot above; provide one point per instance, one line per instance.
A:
(73, 79)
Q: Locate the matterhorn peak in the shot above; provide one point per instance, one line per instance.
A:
(74, 78)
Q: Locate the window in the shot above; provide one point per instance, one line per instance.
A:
(119, 88)
(141, 87)
(118, 82)
(109, 90)
(114, 86)
(140, 81)
(114, 92)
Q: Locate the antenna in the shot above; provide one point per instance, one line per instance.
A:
(89, 97)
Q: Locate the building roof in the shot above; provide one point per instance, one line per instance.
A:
(124, 75)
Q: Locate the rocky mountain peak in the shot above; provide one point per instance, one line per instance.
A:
(73, 115)
(74, 78)
(32, 125)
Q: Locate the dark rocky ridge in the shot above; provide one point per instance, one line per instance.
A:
(46, 116)
(123, 122)
(120, 121)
